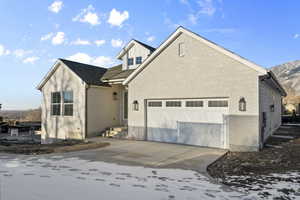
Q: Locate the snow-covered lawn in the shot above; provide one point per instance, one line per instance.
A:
(56, 177)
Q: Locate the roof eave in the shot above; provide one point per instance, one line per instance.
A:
(48, 75)
(178, 32)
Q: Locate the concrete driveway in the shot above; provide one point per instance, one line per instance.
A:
(152, 154)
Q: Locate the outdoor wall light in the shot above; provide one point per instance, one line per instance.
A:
(115, 96)
(242, 104)
(135, 105)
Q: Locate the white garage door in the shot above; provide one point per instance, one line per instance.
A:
(198, 122)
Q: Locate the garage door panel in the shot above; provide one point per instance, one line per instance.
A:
(202, 126)
(162, 134)
(202, 134)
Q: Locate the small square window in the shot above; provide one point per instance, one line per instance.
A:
(181, 49)
(130, 61)
(138, 60)
(68, 97)
(68, 110)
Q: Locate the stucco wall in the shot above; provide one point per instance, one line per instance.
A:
(135, 51)
(202, 72)
(62, 127)
(269, 96)
(103, 110)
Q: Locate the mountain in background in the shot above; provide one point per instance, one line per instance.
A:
(288, 74)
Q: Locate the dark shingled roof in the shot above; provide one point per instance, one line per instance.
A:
(90, 74)
(146, 46)
(116, 72)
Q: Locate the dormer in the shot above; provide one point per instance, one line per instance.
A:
(134, 53)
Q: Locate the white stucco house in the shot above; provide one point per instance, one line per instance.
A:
(189, 90)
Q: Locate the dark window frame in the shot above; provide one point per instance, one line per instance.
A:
(68, 103)
(138, 60)
(55, 103)
(130, 61)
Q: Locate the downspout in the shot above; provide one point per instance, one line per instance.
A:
(86, 112)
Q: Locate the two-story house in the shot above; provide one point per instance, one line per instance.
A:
(81, 100)
(189, 91)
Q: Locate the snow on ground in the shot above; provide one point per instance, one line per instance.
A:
(272, 186)
(57, 177)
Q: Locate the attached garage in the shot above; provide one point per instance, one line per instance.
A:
(200, 122)
(192, 91)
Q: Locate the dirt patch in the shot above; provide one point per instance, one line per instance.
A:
(282, 158)
(258, 171)
(64, 146)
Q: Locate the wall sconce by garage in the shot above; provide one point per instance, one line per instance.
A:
(115, 96)
(242, 104)
(135, 105)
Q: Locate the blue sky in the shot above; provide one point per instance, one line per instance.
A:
(35, 33)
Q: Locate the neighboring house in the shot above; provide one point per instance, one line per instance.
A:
(189, 91)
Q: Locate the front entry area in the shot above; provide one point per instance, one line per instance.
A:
(200, 122)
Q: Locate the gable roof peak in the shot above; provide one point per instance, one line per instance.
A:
(130, 44)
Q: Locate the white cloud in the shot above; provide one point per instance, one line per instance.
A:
(184, 1)
(88, 15)
(56, 6)
(151, 38)
(59, 38)
(31, 60)
(297, 35)
(20, 53)
(220, 30)
(206, 7)
(80, 42)
(102, 61)
(193, 18)
(117, 18)
(99, 42)
(116, 43)
(46, 37)
(4, 51)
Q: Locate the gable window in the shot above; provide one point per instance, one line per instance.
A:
(68, 103)
(181, 49)
(130, 61)
(55, 103)
(218, 103)
(138, 60)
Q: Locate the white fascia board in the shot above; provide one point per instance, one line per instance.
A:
(125, 49)
(49, 74)
(178, 32)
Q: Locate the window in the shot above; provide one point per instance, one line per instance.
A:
(130, 61)
(173, 104)
(181, 49)
(194, 103)
(68, 103)
(218, 103)
(138, 60)
(155, 104)
(55, 103)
